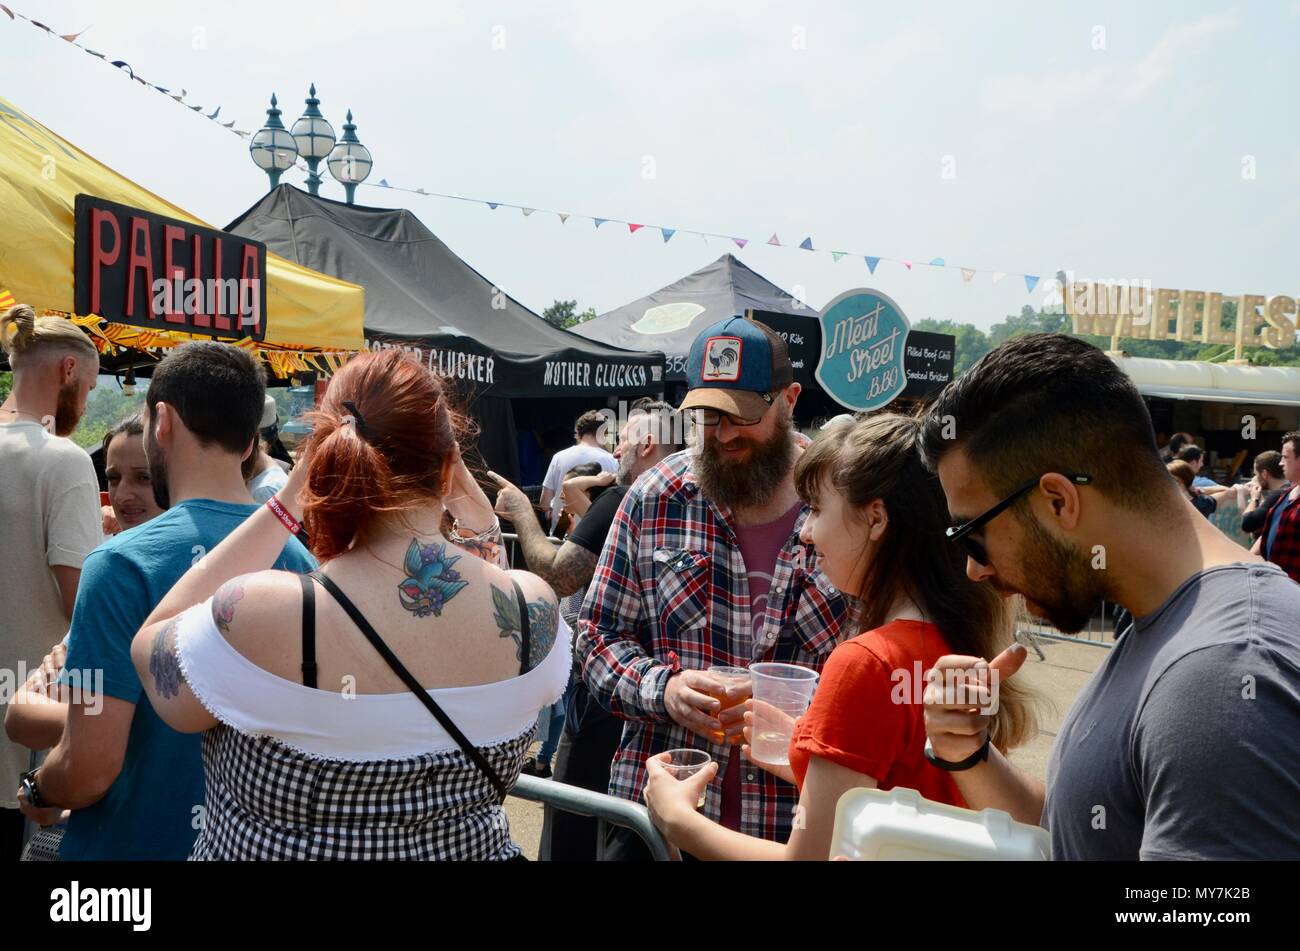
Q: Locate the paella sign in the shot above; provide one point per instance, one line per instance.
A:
(864, 343)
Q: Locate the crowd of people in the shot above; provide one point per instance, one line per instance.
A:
(230, 660)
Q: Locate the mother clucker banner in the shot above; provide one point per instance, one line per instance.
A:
(864, 337)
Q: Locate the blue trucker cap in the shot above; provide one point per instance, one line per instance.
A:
(733, 364)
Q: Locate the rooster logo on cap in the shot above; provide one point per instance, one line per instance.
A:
(721, 359)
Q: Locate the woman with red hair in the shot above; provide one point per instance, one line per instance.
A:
(316, 743)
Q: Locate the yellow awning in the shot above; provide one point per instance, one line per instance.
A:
(40, 177)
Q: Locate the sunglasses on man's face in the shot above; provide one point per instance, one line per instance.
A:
(712, 417)
(963, 534)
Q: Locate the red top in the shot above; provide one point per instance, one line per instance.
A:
(867, 712)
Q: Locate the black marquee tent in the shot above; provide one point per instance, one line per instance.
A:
(422, 297)
(669, 319)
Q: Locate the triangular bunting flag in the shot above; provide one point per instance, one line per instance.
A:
(94, 52)
(228, 125)
(41, 25)
(7, 10)
(741, 242)
(599, 221)
(527, 211)
(213, 115)
(563, 217)
(421, 191)
(70, 37)
(774, 240)
(836, 255)
(967, 273)
(119, 63)
(806, 244)
(936, 262)
(493, 205)
(908, 265)
(871, 264)
(383, 183)
(197, 108)
(998, 275)
(632, 228)
(668, 233)
(1030, 281)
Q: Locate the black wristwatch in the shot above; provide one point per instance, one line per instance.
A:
(28, 785)
(979, 756)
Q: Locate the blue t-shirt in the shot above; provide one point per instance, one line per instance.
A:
(149, 811)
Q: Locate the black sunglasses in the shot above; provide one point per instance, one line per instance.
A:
(961, 534)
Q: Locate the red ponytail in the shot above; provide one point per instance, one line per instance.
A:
(388, 458)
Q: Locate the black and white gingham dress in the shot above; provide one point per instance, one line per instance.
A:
(268, 801)
(298, 773)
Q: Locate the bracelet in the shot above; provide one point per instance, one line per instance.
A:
(27, 781)
(287, 520)
(979, 756)
(489, 534)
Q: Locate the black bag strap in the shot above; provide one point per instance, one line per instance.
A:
(525, 638)
(412, 684)
(308, 631)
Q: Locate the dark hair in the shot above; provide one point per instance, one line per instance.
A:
(1181, 470)
(387, 458)
(589, 423)
(1190, 453)
(217, 390)
(1270, 461)
(1177, 441)
(249, 465)
(132, 425)
(1049, 403)
(878, 457)
(583, 469)
(666, 423)
(1293, 438)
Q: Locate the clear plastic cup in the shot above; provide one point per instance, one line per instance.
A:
(684, 763)
(735, 689)
(782, 693)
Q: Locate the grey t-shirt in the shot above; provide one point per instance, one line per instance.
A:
(1185, 744)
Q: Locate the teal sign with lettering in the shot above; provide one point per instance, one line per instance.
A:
(864, 341)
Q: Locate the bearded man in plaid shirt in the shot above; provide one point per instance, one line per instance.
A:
(1280, 540)
(704, 568)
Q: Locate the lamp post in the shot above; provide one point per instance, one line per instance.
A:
(314, 137)
(273, 149)
(350, 162)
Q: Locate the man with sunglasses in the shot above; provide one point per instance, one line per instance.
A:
(1185, 744)
(704, 568)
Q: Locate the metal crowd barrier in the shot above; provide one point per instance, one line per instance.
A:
(514, 556)
(606, 810)
(1100, 631)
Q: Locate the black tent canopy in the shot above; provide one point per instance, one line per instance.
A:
(670, 318)
(420, 295)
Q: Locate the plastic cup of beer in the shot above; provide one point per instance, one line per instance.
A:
(782, 692)
(685, 763)
(735, 690)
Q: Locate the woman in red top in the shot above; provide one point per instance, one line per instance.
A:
(877, 522)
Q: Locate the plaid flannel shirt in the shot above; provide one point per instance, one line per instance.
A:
(671, 578)
(1285, 549)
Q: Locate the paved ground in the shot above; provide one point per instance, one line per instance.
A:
(1058, 679)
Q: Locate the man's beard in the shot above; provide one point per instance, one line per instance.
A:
(157, 470)
(752, 481)
(625, 476)
(66, 414)
(1075, 589)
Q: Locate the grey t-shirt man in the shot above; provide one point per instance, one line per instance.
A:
(1185, 744)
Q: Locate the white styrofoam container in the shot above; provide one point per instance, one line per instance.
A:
(871, 825)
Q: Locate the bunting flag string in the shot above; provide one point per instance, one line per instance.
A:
(872, 261)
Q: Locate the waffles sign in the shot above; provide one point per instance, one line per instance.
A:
(864, 337)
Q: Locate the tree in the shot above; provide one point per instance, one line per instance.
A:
(970, 344)
(6, 384)
(562, 314)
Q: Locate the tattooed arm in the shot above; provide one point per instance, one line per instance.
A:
(154, 654)
(566, 568)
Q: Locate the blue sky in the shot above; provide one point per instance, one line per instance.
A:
(1105, 138)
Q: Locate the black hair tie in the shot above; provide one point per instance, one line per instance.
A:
(358, 420)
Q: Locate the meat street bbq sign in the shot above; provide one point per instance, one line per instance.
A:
(864, 343)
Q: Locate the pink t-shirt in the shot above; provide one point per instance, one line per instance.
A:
(759, 547)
